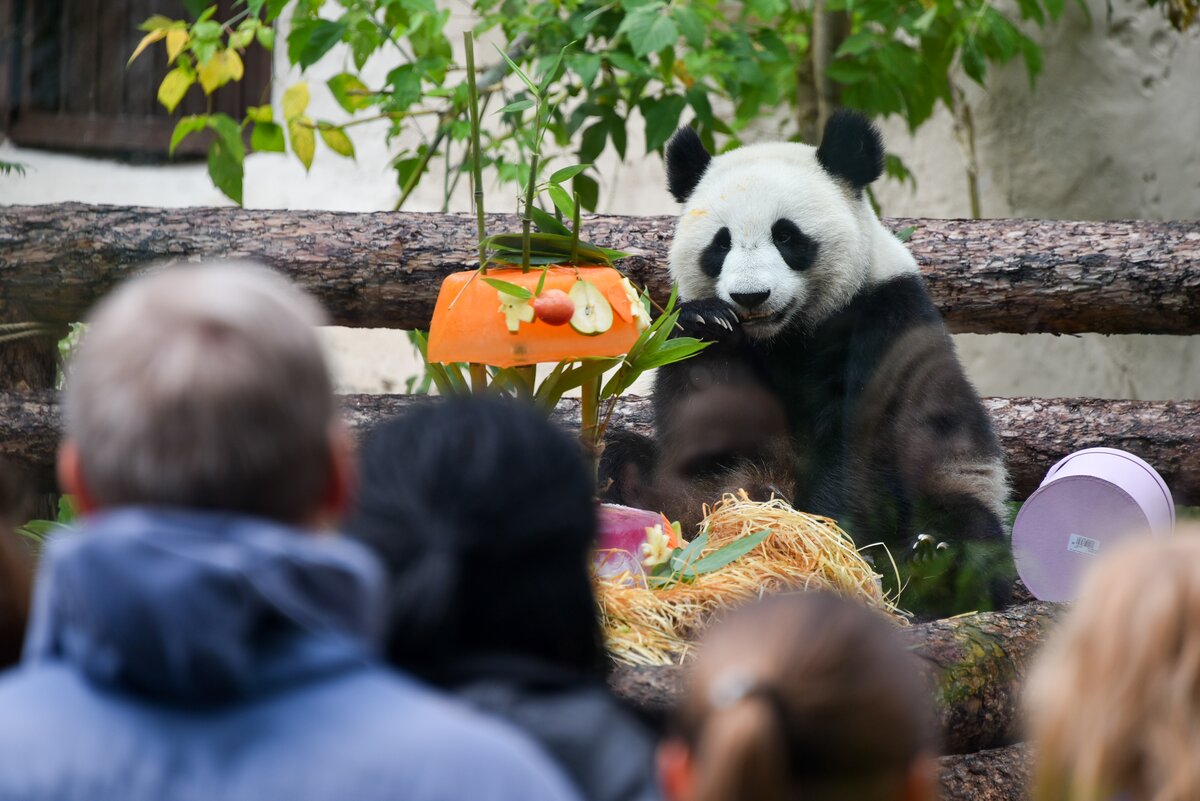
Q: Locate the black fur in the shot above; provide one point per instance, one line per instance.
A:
(851, 149)
(687, 161)
(798, 250)
(877, 404)
(713, 257)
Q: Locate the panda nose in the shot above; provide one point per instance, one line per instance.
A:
(749, 300)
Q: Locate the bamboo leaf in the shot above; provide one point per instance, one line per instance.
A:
(547, 222)
(520, 73)
(728, 553)
(518, 292)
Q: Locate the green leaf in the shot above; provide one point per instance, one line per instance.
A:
(520, 73)
(547, 222)
(552, 71)
(275, 8)
(682, 559)
(662, 118)
(267, 137)
(649, 28)
(304, 140)
(157, 22)
(259, 113)
(295, 100)
(519, 292)
(322, 35)
(244, 35)
(225, 169)
(925, 20)
(516, 105)
(691, 25)
(174, 86)
(587, 190)
(185, 128)
(728, 553)
(586, 66)
(905, 234)
(561, 200)
(567, 173)
(38, 531)
(266, 37)
(229, 133)
(349, 92)
(206, 31)
(337, 140)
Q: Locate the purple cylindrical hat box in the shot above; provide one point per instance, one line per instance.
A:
(1088, 502)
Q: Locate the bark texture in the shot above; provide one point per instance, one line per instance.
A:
(976, 665)
(999, 774)
(384, 270)
(1035, 432)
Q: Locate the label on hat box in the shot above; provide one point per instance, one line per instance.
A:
(1084, 545)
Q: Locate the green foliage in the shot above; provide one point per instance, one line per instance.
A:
(686, 564)
(10, 167)
(589, 66)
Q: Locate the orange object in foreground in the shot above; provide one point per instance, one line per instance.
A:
(469, 326)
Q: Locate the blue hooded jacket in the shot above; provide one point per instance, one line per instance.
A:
(180, 655)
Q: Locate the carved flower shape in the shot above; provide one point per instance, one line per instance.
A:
(657, 547)
(636, 309)
(515, 310)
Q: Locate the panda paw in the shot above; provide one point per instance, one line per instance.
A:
(711, 319)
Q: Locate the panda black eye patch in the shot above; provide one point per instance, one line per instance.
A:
(713, 257)
(798, 250)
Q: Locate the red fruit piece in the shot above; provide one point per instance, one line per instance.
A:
(554, 307)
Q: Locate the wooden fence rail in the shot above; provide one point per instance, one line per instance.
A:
(1035, 432)
(384, 270)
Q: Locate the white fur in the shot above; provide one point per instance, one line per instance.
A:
(750, 188)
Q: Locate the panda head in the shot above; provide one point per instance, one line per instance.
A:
(781, 231)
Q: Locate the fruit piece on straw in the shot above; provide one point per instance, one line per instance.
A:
(554, 307)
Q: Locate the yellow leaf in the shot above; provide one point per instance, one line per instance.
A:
(295, 101)
(337, 140)
(147, 40)
(223, 67)
(173, 87)
(177, 39)
(304, 138)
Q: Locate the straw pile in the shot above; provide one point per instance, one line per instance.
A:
(656, 626)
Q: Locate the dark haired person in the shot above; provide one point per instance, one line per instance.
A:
(803, 696)
(483, 513)
(14, 566)
(203, 637)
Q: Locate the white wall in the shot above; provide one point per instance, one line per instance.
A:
(1112, 130)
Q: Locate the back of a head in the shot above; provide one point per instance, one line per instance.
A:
(483, 512)
(805, 696)
(15, 564)
(203, 387)
(1114, 700)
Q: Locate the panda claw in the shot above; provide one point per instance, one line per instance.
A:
(699, 318)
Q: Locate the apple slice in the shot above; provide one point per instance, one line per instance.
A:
(593, 312)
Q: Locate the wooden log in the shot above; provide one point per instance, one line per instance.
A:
(1035, 432)
(976, 664)
(384, 270)
(999, 774)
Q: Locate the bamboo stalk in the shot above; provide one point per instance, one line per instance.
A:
(478, 378)
(476, 155)
(575, 230)
(527, 217)
(589, 424)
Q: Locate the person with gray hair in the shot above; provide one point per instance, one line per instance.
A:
(199, 637)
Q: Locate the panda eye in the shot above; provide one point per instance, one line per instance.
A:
(783, 232)
(782, 237)
(723, 241)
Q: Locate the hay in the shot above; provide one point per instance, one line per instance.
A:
(656, 626)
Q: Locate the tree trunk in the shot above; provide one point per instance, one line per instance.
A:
(1035, 432)
(384, 270)
(1001, 774)
(976, 665)
(27, 365)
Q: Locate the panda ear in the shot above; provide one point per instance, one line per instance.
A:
(686, 162)
(851, 148)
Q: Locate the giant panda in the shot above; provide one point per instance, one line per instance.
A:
(783, 265)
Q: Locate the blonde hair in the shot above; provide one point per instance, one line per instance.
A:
(805, 695)
(1114, 700)
(204, 387)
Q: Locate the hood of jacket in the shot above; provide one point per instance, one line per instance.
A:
(199, 608)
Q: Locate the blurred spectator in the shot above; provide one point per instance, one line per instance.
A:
(483, 512)
(197, 639)
(802, 696)
(1114, 700)
(14, 565)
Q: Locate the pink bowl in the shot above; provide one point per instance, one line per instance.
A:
(1088, 502)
